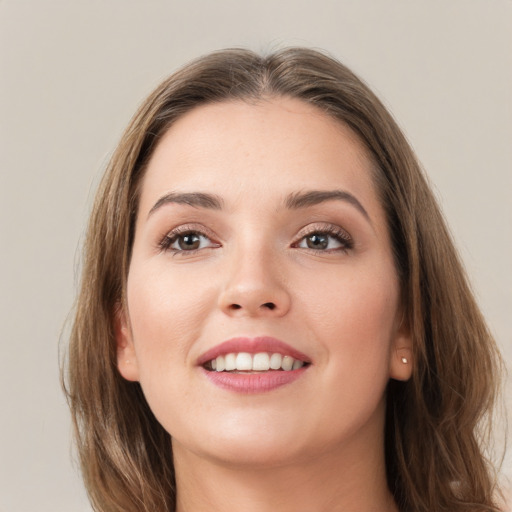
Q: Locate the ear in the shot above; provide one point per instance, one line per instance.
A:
(126, 357)
(400, 361)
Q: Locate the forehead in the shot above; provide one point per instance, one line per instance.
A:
(273, 147)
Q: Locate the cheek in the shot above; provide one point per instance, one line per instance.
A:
(167, 311)
(355, 319)
(167, 314)
(354, 324)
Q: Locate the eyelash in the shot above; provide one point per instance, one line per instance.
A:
(170, 238)
(334, 232)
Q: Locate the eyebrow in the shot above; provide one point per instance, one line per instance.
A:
(294, 201)
(194, 199)
(299, 200)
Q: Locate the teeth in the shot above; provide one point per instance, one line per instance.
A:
(230, 361)
(243, 361)
(219, 367)
(260, 362)
(287, 363)
(297, 364)
(276, 361)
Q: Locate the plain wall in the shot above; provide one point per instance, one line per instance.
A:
(71, 75)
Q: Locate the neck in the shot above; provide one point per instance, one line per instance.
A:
(338, 480)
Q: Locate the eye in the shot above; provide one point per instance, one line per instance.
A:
(326, 240)
(179, 241)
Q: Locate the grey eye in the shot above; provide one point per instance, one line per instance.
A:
(319, 241)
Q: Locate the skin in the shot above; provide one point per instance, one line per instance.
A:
(315, 444)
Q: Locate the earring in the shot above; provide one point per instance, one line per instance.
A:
(404, 360)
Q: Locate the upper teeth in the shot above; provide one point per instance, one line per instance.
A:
(262, 361)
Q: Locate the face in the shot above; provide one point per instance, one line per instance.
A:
(262, 319)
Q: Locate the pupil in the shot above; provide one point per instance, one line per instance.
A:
(317, 241)
(189, 242)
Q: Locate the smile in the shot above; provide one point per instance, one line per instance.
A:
(253, 365)
(260, 362)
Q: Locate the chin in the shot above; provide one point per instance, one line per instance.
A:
(257, 445)
(254, 454)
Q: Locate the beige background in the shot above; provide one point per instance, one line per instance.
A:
(71, 75)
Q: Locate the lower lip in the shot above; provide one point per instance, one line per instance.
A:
(254, 382)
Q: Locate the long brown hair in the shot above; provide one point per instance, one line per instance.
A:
(435, 452)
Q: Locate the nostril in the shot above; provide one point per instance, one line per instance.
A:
(267, 305)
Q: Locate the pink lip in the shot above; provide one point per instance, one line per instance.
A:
(252, 346)
(253, 382)
(250, 383)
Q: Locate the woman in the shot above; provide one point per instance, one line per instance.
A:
(272, 313)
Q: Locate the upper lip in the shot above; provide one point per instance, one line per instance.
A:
(252, 346)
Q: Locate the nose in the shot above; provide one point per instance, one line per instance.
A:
(255, 286)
